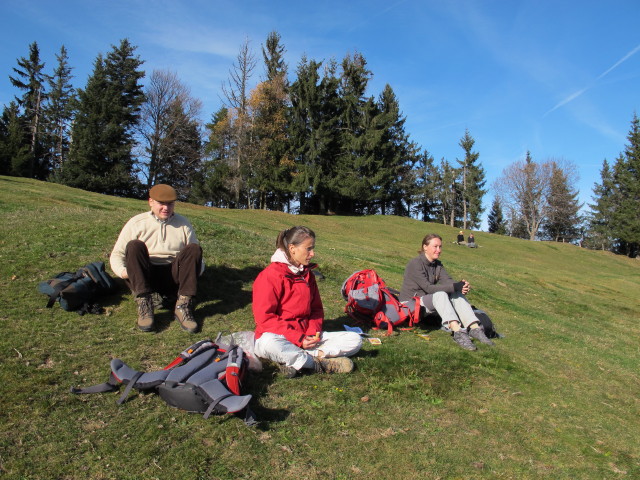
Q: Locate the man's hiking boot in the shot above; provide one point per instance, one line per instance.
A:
(462, 338)
(184, 314)
(333, 365)
(478, 334)
(288, 372)
(145, 313)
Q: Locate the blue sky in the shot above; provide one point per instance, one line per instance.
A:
(560, 79)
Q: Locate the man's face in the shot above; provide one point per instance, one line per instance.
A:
(162, 210)
(433, 250)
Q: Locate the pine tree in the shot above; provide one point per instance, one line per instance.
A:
(59, 112)
(562, 221)
(14, 151)
(496, 220)
(31, 79)
(425, 195)
(100, 158)
(625, 220)
(448, 193)
(600, 229)
(472, 183)
(213, 184)
(273, 55)
(398, 155)
(272, 162)
(314, 135)
(354, 166)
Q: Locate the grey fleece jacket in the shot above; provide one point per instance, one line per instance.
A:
(422, 277)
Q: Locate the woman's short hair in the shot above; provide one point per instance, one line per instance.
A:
(427, 239)
(293, 236)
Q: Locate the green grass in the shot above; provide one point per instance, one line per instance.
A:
(557, 398)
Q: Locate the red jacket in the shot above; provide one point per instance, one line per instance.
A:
(286, 303)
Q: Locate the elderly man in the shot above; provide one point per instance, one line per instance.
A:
(157, 251)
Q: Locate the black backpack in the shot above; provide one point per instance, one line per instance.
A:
(205, 378)
(76, 291)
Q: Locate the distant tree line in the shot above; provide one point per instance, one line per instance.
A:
(313, 142)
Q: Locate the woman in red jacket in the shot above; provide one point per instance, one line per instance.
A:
(288, 312)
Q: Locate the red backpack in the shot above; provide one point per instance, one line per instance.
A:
(371, 302)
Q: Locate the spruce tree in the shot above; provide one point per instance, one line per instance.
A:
(31, 79)
(495, 219)
(600, 229)
(357, 127)
(314, 135)
(471, 183)
(562, 221)
(625, 220)
(272, 163)
(59, 112)
(14, 151)
(100, 158)
(425, 196)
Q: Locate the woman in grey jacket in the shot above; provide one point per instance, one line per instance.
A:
(425, 277)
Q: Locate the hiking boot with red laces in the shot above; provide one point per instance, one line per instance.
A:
(145, 313)
(333, 365)
(184, 314)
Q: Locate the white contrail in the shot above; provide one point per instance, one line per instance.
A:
(575, 95)
(623, 59)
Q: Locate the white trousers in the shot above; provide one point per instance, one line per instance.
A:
(280, 350)
(451, 308)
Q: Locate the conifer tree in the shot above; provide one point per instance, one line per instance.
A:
(354, 167)
(31, 79)
(59, 111)
(14, 151)
(314, 135)
(272, 162)
(213, 184)
(426, 192)
(625, 219)
(471, 184)
(495, 219)
(562, 221)
(100, 158)
(600, 232)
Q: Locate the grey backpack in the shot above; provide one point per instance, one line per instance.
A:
(205, 378)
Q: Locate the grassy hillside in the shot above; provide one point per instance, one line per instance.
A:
(558, 397)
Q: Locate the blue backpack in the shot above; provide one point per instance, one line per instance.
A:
(77, 291)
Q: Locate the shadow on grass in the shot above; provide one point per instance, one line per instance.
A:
(257, 384)
(221, 288)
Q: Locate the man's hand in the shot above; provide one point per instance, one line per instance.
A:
(124, 274)
(466, 287)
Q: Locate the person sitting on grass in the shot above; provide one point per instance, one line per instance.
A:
(158, 251)
(460, 239)
(471, 241)
(288, 312)
(426, 278)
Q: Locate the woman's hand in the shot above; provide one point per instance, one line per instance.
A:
(466, 287)
(310, 342)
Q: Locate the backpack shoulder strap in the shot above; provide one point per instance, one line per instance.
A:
(53, 288)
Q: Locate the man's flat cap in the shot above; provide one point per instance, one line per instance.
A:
(163, 193)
